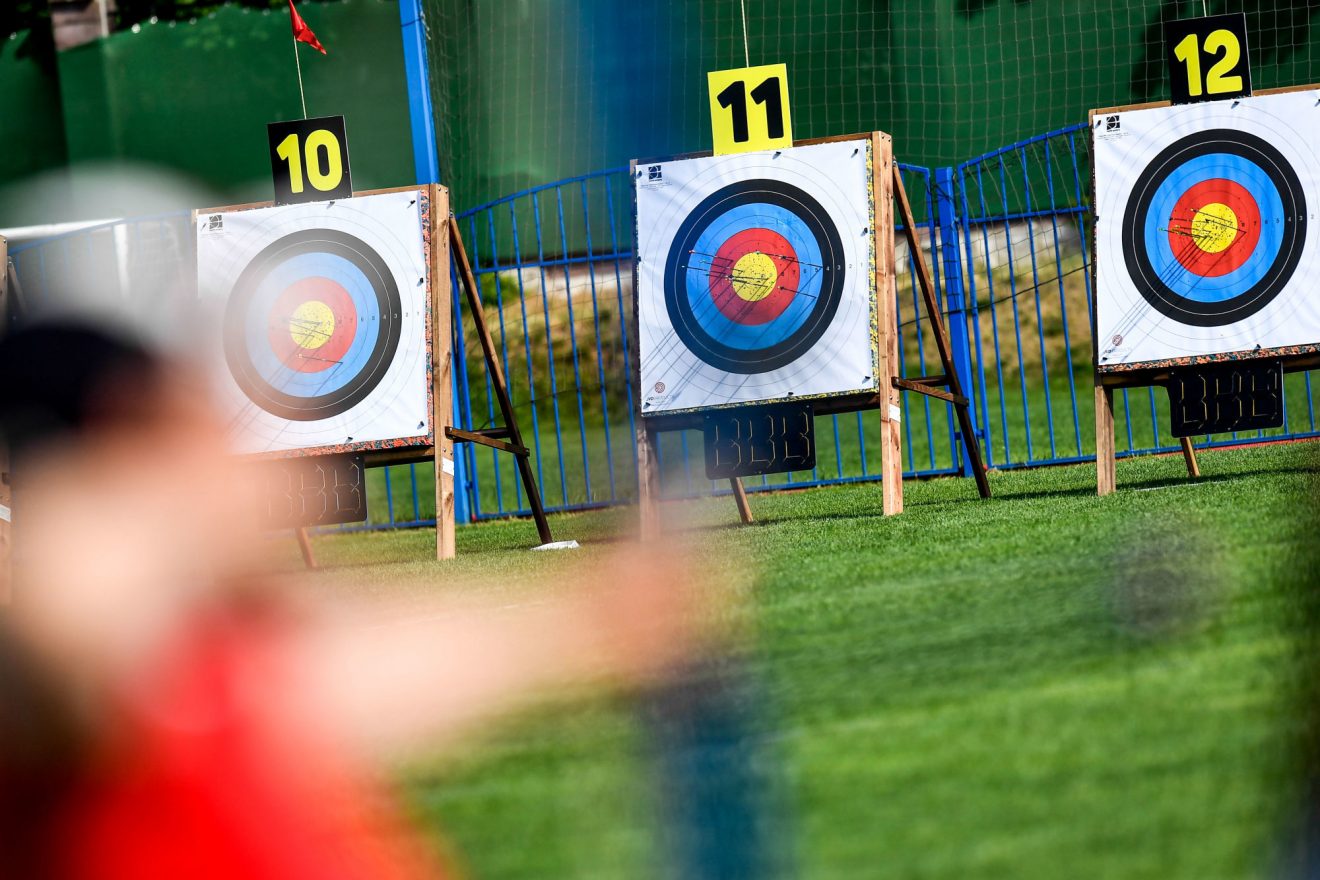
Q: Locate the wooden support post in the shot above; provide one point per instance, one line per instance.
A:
(305, 546)
(1105, 469)
(883, 173)
(442, 376)
(971, 446)
(1189, 457)
(648, 481)
(498, 382)
(740, 498)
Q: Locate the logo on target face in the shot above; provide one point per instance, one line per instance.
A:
(1214, 228)
(754, 276)
(313, 325)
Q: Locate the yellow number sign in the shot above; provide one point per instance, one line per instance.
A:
(749, 109)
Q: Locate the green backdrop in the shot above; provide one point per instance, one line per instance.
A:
(197, 96)
(31, 126)
(530, 91)
(535, 91)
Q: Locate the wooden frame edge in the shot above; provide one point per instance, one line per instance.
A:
(1155, 105)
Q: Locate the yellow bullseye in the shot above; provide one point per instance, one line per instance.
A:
(1215, 227)
(754, 276)
(312, 324)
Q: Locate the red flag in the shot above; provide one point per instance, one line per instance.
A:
(302, 33)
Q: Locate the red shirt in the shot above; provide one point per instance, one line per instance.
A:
(208, 779)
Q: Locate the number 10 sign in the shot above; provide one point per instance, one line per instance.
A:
(309, 160)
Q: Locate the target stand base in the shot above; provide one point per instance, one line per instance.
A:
(1159, 172)
(442, 251)
(886, 189)
(1106, 457)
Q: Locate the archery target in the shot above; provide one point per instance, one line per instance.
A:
(322, 316)
(755, 278)
(1205, 229)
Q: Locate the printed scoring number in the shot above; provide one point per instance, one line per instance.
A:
(749, 109)
(325, 163)
(1208, 58)
(309, 160)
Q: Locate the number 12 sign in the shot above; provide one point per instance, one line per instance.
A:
(1208, 58)
(749, 109)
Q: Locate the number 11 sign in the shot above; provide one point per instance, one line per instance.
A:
(749, 109)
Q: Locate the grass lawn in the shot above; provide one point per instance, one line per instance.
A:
(847, 445)
(1042, 685)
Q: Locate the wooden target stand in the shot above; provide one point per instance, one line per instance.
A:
(1106, 381)
(444, 242)
(886, 189)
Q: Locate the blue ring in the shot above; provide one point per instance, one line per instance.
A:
(241, 319)
(1213, 311)
(1206, 288)
(702, 302)
(300, 268)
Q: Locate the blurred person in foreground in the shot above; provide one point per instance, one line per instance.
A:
(165, 713)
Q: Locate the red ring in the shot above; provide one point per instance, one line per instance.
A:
(1202, 262)
(722, 291)
(332, 351)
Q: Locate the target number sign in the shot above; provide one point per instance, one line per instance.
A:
(749, 109)
(309, 160)
(1208, 58)
(751, 441)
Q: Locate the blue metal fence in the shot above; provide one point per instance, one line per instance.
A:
(1007, 236)
(1026, 225)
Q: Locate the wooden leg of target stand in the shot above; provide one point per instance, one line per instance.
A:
(442, 375)
(1189, 456)
(1105, 470)
(305, 545)
(648, 482)
(884, 176)
(740, 497)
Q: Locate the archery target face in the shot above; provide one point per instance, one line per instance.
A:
(755, 278)
(1205, 229)
(321, 313)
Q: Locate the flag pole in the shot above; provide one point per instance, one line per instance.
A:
(301, 93)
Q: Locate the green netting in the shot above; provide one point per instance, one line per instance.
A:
(529, 92)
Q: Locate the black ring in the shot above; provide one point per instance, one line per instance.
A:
(389, 311)
(784, 352)
(1286, 183)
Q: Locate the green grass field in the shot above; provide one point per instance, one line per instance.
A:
(1046, 684)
